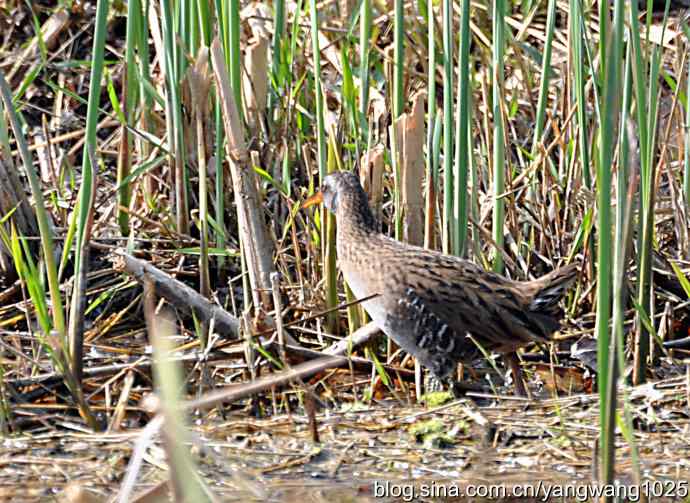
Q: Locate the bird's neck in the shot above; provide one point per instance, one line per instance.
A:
(354, 215)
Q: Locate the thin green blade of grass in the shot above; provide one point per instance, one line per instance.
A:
(187, 484)
(234, 59)
(278, 39)
(131, 91)
(328, 231)
(545, 76)
(348, 89)
(682, 279)
(398, 58)
(330, 269)
(26, 268)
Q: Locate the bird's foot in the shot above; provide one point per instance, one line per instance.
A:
(456, 388)
(514, 364)
(459, 389)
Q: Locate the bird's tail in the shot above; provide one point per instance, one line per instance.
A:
(548, 290)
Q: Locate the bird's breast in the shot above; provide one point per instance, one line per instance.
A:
(371, 266)
(362, 286)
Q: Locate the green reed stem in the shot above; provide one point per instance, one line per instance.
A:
(611, 107)
(576, 37)
(234, 55)
(431, 168)
(463, 149)
(365, 25)
(447, 124)
(545, 76)
(277, 44)
(399, 59)
(498, 131)
(686, 172)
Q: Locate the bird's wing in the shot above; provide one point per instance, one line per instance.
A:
(468, 299)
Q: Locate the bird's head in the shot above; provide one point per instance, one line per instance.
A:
(335, 188)
(342, 194)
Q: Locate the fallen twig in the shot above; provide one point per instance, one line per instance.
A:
(178, 294)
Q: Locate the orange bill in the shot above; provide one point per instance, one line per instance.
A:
(315, 199)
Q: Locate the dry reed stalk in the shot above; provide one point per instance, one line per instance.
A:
(255, 82)
(232, 393)
(199, 80)
(346, 7)
(356, 338)
(371, 177)
(257, 247)
(120, 408)
(411, 136)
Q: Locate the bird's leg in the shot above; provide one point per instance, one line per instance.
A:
(456, 388)
(432, 383)
(514, 364)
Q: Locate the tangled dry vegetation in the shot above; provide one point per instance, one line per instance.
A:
(289, 425)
